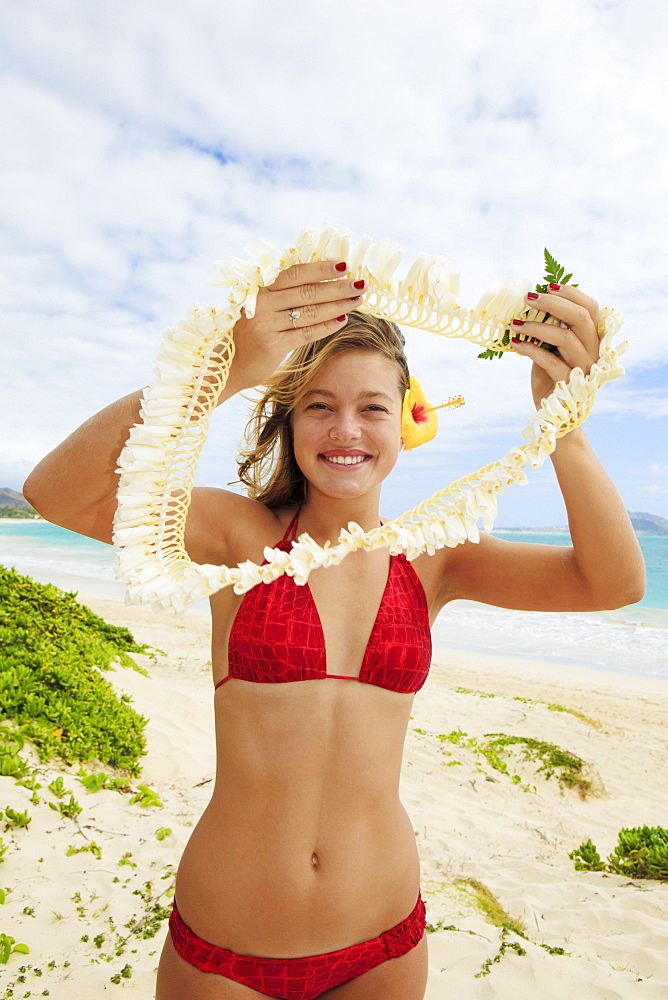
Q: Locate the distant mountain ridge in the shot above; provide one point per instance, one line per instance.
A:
(648, 524)
(10, 498)
(643, 524)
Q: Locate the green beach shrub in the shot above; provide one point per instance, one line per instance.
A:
(51, 690)
(587, 858)
(11, 764)
(641, 852)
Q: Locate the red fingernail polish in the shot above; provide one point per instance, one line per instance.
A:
(356, 298)
(555, 288)
(358, 284)
(532, 295)
(340, 319)
(516, 340)
(518, 322)
(342, 266)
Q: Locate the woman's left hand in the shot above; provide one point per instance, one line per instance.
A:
(577, 342)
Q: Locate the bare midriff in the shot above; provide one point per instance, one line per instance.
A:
(305, 846)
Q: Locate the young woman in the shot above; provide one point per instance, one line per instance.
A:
(301, 879)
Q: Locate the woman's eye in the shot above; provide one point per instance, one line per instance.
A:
(379, 409)
(317, 406)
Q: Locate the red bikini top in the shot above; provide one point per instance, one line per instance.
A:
(277, 634)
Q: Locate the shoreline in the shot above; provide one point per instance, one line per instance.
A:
(553, 661)
(494, 662)
(457, 663)
(19, 520)
(454, 628)
(445, 656)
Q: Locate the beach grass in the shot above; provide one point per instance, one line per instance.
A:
(551, 706)
(570, 770)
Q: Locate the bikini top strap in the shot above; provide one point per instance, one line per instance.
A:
(291, 530)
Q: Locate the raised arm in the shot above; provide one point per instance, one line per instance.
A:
(604, 567)
(75, 484)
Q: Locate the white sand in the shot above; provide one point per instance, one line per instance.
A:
(472, 822)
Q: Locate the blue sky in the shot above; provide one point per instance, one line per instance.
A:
(144, 140)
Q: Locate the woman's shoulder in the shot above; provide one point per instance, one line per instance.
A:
(225, 528)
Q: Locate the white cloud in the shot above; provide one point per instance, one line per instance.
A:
(628, 397)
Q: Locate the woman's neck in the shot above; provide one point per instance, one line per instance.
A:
(323, 517)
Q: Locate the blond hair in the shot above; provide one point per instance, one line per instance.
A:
(267, 464)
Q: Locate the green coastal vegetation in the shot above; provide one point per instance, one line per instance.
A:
(641, 852)
(12, 504)
(57, 706)
(495, 749)
(514, 936)
(52, 691)
(20, 512)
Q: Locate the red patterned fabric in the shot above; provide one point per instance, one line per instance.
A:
(298, 978)
(277, 634)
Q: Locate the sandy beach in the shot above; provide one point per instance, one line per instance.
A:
(475, 826)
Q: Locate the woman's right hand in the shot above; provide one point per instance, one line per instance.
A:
(322, 299)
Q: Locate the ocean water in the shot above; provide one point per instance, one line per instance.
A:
(654, 549)
(630, 640)
(49, 553)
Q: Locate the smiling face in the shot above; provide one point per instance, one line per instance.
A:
(347, 427)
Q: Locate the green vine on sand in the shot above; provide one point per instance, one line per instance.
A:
(553, 760)
(494, 914)
(8, 946)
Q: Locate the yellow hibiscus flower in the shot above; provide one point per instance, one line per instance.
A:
(419, 421)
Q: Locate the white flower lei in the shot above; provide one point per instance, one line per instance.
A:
(158, 463)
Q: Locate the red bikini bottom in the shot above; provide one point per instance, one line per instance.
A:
(298, 978)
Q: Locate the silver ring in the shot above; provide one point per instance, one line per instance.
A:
(294, 315)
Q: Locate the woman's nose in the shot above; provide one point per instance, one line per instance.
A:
(346, 426)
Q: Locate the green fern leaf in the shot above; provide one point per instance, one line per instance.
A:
(554, 273)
